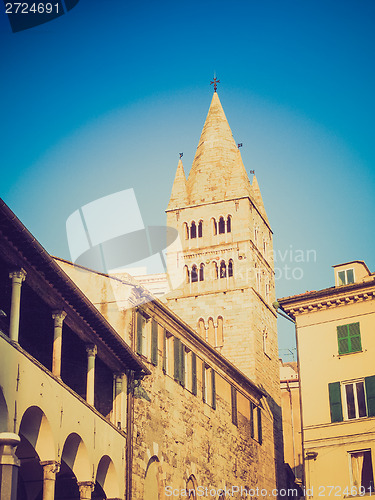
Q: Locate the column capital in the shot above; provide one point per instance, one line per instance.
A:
(58, 317)
(50, 468)
(85, 489)
(91, 350)
(8, 445)
(18, 275)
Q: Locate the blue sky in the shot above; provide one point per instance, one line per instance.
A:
(105, 97)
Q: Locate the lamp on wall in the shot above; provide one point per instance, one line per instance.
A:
(311, 455)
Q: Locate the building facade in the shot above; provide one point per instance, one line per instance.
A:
(64, 377)
(336, 348)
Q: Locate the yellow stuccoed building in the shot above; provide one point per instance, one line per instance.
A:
(336, 345)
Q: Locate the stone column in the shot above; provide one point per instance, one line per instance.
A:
(58, 318)
(85, 489)
(119, 382)
(17, 278)
(90, 387)
(9, 464)
(50, 469)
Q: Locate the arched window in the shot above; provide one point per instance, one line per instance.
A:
(186, 231)
(221, 225)
(215, 269)
(256, 236)
(220, 335)
(194, 274)
(151, 484)
(201, 328)
(211, 331)
(214, 226)
(191, 488)
(193, 230)
(230, 268)
(200, 229)
(229, 224)
(187, 274)
(201, 272)
(265, 341)
(223, 270)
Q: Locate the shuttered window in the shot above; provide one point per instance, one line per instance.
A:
(140, 326)
(165, 355)
(260, 435)
(179, 361)
(252, 419)
(370, 395)
(154, 343)
(234, 405)
(194, 374)
(213, 389)
(334, 390)
(349, 338)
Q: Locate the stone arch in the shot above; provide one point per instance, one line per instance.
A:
(211, 331)
(191, 487)
(76, 457)
(193, 230)
(186, 231)
(186, 274)
(201, 328)
(220, 332)
(201, 272)
(154, 484)
(223, 269)
(194, 273)
(4, 414)
(214, 226)
(36, 429)
(215, 270)
(229, 224)
(200, 228)
(221, 225)
(107, 478)
(230, 268)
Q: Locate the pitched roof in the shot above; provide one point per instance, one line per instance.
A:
(217, 172)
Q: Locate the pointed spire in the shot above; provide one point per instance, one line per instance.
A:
(258, 198)
(179, 196)
(218, 172)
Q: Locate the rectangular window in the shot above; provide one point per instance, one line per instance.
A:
(169, 345)
(179, 361)
(361, 471)
(194, 373)
(354, 398)
(142, 340)
(234, 405)
(349, 338)
(345, 277)
(154, 343)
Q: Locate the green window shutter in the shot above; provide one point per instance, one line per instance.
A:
(164, 351)
(252, 419)
(154, 343)
(349, 338)
(334, 390)
(194, 374)
(203, 382)
(140, 322)
(343, 339)
(354, 337)
(213, 386)
(234, 405)
(260, 435)
(370, 395)
(176, 352)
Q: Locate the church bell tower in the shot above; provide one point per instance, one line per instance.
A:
(226, 254)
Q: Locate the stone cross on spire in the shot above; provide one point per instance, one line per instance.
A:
(215, 82)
